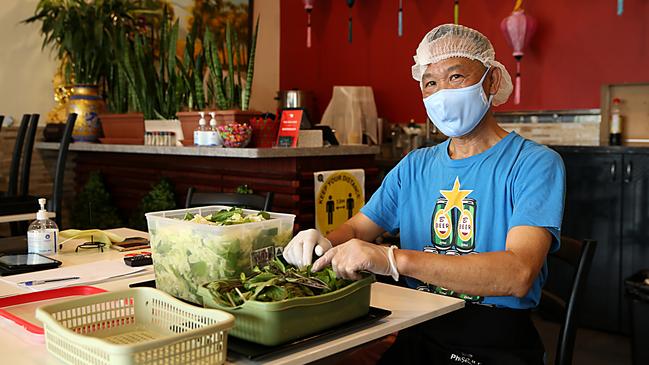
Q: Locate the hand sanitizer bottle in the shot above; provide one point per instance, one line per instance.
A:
(42, 234)
(215, 137)
(200, 132)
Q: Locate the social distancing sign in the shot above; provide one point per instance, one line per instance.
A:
(338, 196)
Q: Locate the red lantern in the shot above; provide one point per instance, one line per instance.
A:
(308, 7)
(518, 29)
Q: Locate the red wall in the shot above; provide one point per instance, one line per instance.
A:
(579, 45)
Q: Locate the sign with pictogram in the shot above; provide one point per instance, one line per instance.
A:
(338, 196)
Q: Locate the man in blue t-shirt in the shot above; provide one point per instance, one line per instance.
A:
(477, 215)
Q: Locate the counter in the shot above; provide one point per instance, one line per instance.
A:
(130, 170)
(351, 150)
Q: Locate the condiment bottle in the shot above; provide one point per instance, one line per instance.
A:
(42, 234)
(615, 135)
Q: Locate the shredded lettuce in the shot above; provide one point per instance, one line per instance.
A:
(186, 256)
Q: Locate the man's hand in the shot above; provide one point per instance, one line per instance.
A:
(356, 255)
(299, 251)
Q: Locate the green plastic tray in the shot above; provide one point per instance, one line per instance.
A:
(274, 323)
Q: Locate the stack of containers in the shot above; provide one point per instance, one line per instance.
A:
(187, 254)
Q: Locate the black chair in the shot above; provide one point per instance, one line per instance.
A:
(249, 201)
(12, 186)
(55, 203)
(21, 204)
(2, 119)
(26, 165)
(564, 308)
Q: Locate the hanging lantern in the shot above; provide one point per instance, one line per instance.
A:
(350, 4)
(518, 29)
(308, 7)
(620, 7)
(456, 11)
(400, 19)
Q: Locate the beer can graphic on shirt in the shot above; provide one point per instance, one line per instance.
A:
(465, 226)
(442, 226)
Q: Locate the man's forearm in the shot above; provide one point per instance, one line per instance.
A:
(342, 234)
(485, 274)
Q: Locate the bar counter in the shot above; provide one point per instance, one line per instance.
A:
(130, 170)
(217, 151)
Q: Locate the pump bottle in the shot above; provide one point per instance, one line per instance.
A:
(214, 137)
(43, 233)
(200, 133)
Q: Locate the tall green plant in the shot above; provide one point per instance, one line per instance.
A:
(155, 81)
(227, 91)
(192, 69)
(79, 30)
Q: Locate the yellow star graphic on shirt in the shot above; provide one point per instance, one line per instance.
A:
(454, 197)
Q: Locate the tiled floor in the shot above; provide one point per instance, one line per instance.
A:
(591, 347)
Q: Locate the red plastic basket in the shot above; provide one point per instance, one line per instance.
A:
(264, 132)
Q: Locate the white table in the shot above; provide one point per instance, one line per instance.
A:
(409, 307)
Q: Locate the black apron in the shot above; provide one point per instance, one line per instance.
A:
(474, 335)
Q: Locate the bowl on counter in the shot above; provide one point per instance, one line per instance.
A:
(236, 135)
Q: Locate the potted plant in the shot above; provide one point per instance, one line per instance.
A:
(70, 26)
(224, 88)
(155, 84)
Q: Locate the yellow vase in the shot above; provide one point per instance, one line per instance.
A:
(86, 102)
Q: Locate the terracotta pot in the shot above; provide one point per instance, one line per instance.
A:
(188, 123)
(234, 115)
(189, 120)
(123, 127)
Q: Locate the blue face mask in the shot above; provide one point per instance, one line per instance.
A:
(456, 112)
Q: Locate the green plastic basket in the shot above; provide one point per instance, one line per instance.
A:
(134, 326)
(274, 323)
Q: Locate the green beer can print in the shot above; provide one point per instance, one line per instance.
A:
(465, 231)
(441, 228)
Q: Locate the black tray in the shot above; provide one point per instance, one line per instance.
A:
(255, 351)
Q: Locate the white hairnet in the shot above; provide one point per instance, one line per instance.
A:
(450, 40)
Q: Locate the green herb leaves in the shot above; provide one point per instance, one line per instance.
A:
(227, 217)
(275, 282)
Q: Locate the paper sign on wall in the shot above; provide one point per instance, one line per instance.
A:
(339, 195)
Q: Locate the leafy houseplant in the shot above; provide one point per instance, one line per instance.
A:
(161, 197)
(82, 34)
(93, 206)
(225, 89)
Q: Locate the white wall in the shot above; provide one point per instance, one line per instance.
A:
(266, 79)
(25, 71)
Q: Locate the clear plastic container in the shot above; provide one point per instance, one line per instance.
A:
(187, 254)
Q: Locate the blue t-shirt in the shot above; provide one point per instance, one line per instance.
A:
(466, 206)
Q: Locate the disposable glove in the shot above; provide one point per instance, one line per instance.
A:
(299, 251)
(357, 255)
